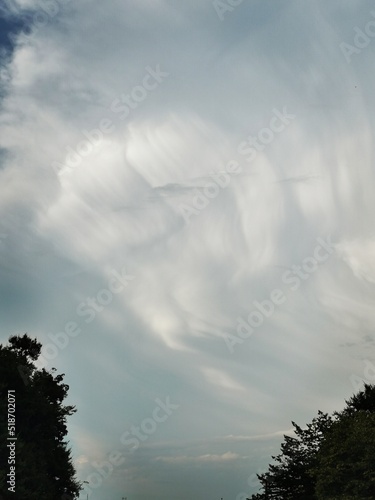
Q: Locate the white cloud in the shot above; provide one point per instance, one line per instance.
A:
(225, 457)
(359, 256)
(121, 206)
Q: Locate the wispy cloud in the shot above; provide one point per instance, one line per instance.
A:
(87, 189)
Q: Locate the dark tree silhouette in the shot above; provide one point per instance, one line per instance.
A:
(331, 459)
(345, 461)
(44, 468)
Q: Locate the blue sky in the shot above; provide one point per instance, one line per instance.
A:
(10, 27)
(187, 226)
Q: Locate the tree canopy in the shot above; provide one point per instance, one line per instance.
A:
(43, 463)
(331, 459)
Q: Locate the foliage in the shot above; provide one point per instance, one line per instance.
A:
(345, 462)
(331, 459)
(44, 468)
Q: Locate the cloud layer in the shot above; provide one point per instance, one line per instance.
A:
(204, 158)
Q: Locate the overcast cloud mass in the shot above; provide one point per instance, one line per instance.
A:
(187, 226)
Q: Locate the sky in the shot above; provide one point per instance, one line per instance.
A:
(187, 226)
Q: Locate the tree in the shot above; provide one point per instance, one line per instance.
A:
(331, 459)
(345, 461)
(362, 401)
(289, 477)
(44, 468)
